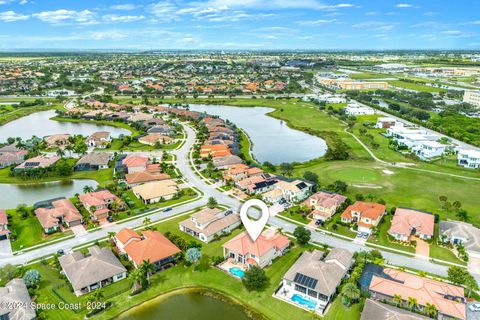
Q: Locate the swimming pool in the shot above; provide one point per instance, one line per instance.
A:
(303, 301)
(236, 271)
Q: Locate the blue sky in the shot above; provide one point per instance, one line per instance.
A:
(240, 24)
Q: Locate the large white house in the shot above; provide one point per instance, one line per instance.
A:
(354, 109)
(429, 149)
(469, 158)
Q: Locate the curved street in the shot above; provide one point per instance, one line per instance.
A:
(208, 190)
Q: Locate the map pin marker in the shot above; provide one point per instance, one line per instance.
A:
(254, 227)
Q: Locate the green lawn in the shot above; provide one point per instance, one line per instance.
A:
(28, 231)
(368, 75)
(22, 112)
(245, 146)
(414, 86)
(181, 276)
(382, 237)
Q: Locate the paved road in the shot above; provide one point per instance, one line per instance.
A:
(209, 190)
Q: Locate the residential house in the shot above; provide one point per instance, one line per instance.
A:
(149, 246)
(57, 140)
(407, 222)
(215, 150)
(448, 299)
(257, 184)
(365, 214)
(15, 301)
(374, 310)
(163, 129)
(207, 224)
(135, 163)
(94, 161)
(100, 139)
(59, 212)
(137, 178)
(291, 191)
(241, 171)
(428, 150)
(153, 139)
(37, 163)
(153, 192)
(223, 162)
(468, 158)
(316, 278)
(4, 231)
(459, 232)
(98, 269)
(10, 155)
(99, 203)
(261, 252)
(385, 122)
(324, 204)
(357, 110)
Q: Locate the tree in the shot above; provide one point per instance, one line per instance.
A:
(412, 303)
(146, 222)
(302, 235)
(431, 310)
(193, 255)
(286, 169)
(471, 284)
(311, 176)
(87, 189)
(350, 294)
(147, 269)
(397, 299)
(255, 279)
(8, 272)
(138, 279)
(456, 205)
(269, 166)
(338, 186)
(457, 275)
(462, 215)
(31, 278)
(60, 152)
(443, 200)
(211, 202)
(96, 296)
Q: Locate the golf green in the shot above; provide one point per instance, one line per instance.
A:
(355, 175)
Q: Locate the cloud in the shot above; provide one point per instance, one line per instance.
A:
(404, 5)
(11, 16)
(164, 10)
(125, 6)
(319, 22)
(107, 35)
(63, 16)
(272, 4)
(378, 25)
(114, 18)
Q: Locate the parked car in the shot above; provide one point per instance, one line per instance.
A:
(228, 212)
(167, 209)
(365, 235)
(61, 252)
(110, 219)
(475, 307)
(318, 222)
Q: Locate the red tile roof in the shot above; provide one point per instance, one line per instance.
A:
(153, 247)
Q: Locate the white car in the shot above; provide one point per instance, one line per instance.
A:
(474, 307)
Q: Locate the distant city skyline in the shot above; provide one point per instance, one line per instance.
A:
(240, 25)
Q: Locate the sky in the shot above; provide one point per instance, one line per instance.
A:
(240, 24)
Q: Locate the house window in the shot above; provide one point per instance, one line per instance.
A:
(300, 288)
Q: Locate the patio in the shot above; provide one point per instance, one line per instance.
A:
(299, 300)
(229, 264)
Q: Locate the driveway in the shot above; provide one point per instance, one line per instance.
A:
(78, 230)
(423, 248)
(472, 315)
(474, 264)
(5, 248)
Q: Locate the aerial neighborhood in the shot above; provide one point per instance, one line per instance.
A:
(123, 177)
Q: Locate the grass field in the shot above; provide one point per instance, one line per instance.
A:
(414, 86)
(22, 112)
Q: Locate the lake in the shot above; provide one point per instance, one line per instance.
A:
(14, 194)
(184, 307)
(39, 124)
(272, 139)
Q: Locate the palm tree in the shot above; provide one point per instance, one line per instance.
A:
(87, 189)
(146, 222)
(350, 294)
(60, 153)
(412, 303)
(111, 235)
(138, 277)
(431, 310)
(147, 269)
(397, 299)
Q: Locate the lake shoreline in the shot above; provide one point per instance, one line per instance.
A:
(206, 291)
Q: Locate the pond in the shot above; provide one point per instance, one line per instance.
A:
(186, 306)
(32, 193)
(272, 139)
(40, 125)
